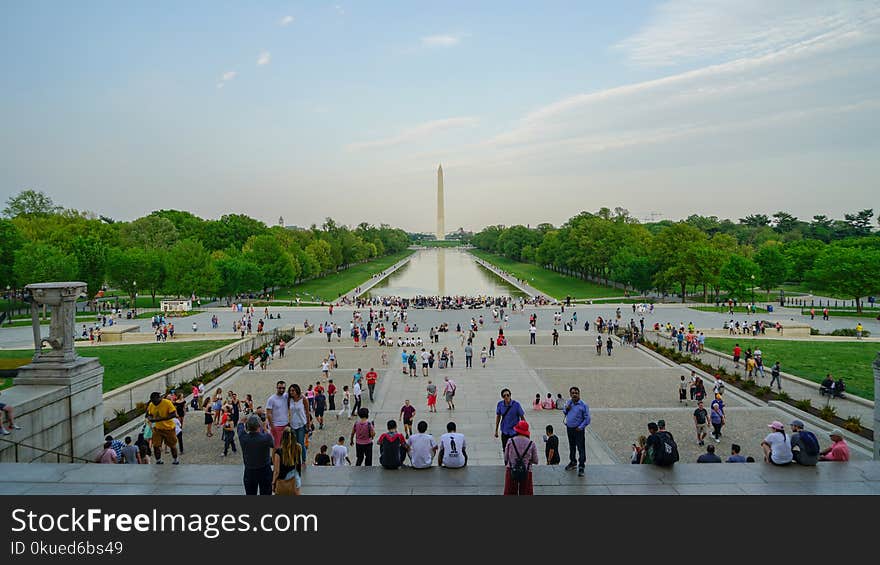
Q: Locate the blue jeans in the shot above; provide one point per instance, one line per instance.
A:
(258, 479)
(301, 439)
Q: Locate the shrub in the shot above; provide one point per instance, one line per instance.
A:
(853, 424)
(814, 331)
(120, 415)
(783, 396)
(748, 385)
(804, 404)
(828, 412)
(765, 391)
(849, 332)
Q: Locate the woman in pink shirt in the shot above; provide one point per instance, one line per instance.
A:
(519, 448)
(108, 455)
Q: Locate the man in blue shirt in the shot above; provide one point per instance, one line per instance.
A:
(508, 413)
(577, 418)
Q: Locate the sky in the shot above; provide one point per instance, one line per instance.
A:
(536, 110)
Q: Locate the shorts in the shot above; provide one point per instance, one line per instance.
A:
(702, 429)
(209, 419)
(736, 358)
(168, 437)
(319, 412)
(407, 422)
(449, 396)
(294, 474)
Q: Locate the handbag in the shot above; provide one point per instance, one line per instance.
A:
(285, 487)
(148, 431)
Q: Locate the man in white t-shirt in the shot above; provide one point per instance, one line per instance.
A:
(422, 447)
(277, 412)
(339, 453)
(453, 454)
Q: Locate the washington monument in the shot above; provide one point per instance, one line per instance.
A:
(441, 213)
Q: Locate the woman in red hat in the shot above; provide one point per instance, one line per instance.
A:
(520, 454)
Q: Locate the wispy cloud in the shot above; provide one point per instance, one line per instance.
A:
(692, 30)
(285, 21)
(226, 77)
(441, 40)
(415, 133)
(264, 58)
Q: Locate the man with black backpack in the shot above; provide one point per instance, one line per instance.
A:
(660, 448)
(392, 447)
(804, 445)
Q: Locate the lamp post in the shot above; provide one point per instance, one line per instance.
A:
(8, 306)
(753, 290)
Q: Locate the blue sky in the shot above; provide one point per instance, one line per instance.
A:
(537, 110)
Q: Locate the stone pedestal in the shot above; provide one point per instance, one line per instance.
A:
(57, 398)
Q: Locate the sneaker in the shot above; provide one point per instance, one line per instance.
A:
(717, 440)
(700, 442)
(16, 427)
(4, 432)
(159, 462)
(176, 462)
(580, 472)
(570, 466)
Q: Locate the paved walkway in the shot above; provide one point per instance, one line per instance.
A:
(510, 279)
(685, 478)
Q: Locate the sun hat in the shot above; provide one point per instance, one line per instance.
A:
(522, 428)
(776, 425)
(797, 423)
(835, 432)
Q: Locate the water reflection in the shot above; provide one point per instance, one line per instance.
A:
(443, 272)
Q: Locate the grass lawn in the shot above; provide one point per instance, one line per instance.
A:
(125, 364)
(736, 309)
(814, 359)
(552, 284)
(332, 286)
(866, 313)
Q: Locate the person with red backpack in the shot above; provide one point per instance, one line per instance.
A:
(392, 447)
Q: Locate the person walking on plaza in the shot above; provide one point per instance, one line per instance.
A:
(277, 411)
(468, 355)
(491, 347)
(449, 393)
(371, 377)
(161, 413)
(407, 412)
(507, 413)
(483, 357)
(363, 432)
(331, 395)
(701, 417)
(775, 373)
(555, 337)
(532, 331)
(520, 454)
(577, 418)
(356, 392)
(431, 389)
(256, 448)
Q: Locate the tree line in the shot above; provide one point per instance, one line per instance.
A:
(837, 256)
(175, 252)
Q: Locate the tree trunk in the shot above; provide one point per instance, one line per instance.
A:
(705, 292)
(858, 305)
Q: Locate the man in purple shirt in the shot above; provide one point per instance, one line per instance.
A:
(577, 418)
(508, 413)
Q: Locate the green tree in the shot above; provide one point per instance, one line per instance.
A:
(190, 270)
(41, 262)
(275, 265)
(675, 251)
(755, 220)
(773, 267)
(738, 277)
(10, 242)
(91, 258)
(149, 232)
(30, 203)
(849, 271)
(123, 269)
